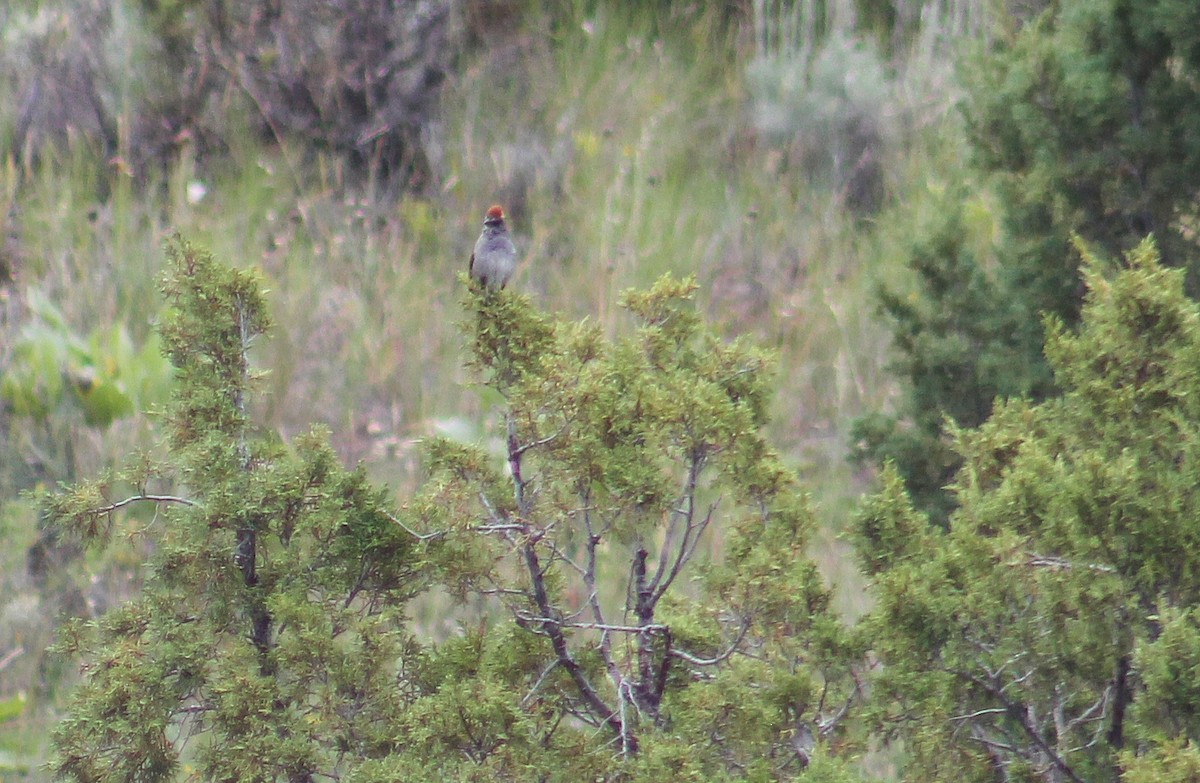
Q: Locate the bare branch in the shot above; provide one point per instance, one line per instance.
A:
(514, 465)
(693, 533)
(538, 684)
(652, 628)
(413, 533)
(700, 528)
(492, 513)
(1021, 715)
(553, 629)
(683, 513)
(502, 591)
(681, 516)
(825, 727)
(1097, 712)
(589, 573)
(993, 743)
(625, 693)
(502, 527)
(1018, 680)
(551, 625)
(192, 709)
(563, 556)
(980, 714)
(143, 497)
(589, 580)
(1061, 563)
(695, 661)
(519, 450)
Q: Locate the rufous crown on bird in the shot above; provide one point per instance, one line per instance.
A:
(495, 213)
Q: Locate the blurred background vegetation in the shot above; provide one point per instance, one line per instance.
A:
(787, 152)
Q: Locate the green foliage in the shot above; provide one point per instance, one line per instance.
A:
(11, 708)
(1170, 667)
(1084, 123)
(960, 347)
(1052, 624)
(1089, 118)
(104, 374)
(623, 457)
(1173, 762)
(270, 642)
(271, 618)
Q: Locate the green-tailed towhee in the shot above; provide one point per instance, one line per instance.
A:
(495, 257)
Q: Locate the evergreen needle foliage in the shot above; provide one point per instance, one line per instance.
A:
(623, 458)
(1082, 123)
(1051, 633)
(270, 642)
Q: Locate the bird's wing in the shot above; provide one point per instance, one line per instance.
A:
(471, 265)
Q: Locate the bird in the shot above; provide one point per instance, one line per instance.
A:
(495, 257)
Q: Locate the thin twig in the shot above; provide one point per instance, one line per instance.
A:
(980, 714)
(1051, 561)
(695, 661)
(1024, 720)
(502, 527)
(492, 513)
(538, 684)
(652, 628)
(143, 497)
(193, 709)
(993, 743)
(1097, 712)
(413, 533)
(589, 580)
(692, 533)
(826, 727)
(563, 556)
(519, 450)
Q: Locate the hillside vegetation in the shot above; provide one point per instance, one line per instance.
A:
(305, 507)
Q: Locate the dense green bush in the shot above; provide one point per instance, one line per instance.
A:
(1049, 634)
(1082, 123)
(271, 642)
